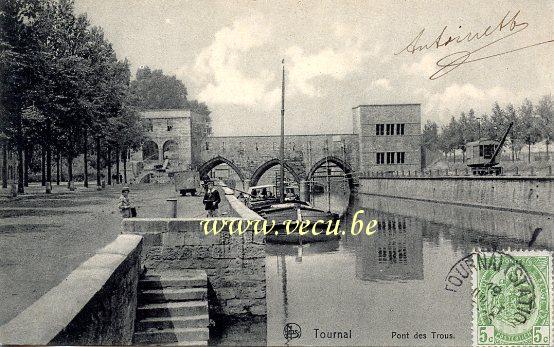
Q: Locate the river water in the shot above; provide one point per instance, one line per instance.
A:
(379, 288)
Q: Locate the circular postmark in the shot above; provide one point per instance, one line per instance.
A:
(512, 298)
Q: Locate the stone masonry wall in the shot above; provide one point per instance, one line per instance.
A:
(235, 264)
(525, 194)
(302, 152)
(95, 305)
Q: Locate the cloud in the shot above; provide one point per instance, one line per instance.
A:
(426, 66)
(457, 98)
(226, 75)
(333, 62)
(382, 83)
(217, 66)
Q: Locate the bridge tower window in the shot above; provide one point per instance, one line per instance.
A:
(379, 129)
(399, 129)
(169, 124)
(148, 124)
(257, 146)
(390, 157)
(380, 157)
(400, 157)
(207, 146)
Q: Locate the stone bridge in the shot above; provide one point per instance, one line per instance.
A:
(252, 156)
(385, 138)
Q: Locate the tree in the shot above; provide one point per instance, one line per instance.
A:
(545, 110)
(154, 90)
(515, 135)
(60, 80)
(430, 136)
(131, 135)
(18, 47)
(468, 129)
(448, 138)
(531, 125)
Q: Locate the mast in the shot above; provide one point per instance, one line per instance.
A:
(282, 148)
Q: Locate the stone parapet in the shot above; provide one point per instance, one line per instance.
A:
(94, 305)
(235, 265)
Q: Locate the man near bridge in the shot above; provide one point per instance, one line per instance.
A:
(211, 199)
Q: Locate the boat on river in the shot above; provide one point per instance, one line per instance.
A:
(284, 203)
(298, 212)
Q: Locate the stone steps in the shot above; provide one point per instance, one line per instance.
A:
(172, 294)
(172, 335)
(197, 321)
(173, 309)
(185, 343)
(174, 280)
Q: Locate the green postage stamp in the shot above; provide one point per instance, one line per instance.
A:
(512, 293)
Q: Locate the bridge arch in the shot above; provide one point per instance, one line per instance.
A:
(338, 162)
(268, 165)
(205, 168)
(170, 149)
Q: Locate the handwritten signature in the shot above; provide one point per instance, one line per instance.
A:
(450, 62)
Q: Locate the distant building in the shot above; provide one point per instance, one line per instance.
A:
(173, 139)
(389, 136)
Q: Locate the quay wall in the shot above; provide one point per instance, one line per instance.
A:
(519, 194)
(235, 265)
(95, 305)
(502, 225)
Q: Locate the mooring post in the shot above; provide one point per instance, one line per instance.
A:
(517, 171)
(172, 207)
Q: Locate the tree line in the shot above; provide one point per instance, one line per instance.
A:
(63, 90)
(531, 124)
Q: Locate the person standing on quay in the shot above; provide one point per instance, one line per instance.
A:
(211, 199)
(124, 205)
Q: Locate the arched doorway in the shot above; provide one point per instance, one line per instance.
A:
(267, 166)
(150, 151)
(170, 150)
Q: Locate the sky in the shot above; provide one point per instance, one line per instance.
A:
(338, 54)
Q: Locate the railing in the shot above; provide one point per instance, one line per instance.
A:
(512, 172)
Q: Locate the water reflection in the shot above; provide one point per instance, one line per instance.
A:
(393, 280)
(394, 252)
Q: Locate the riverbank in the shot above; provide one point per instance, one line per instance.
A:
(43, 237)
(516, 194)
